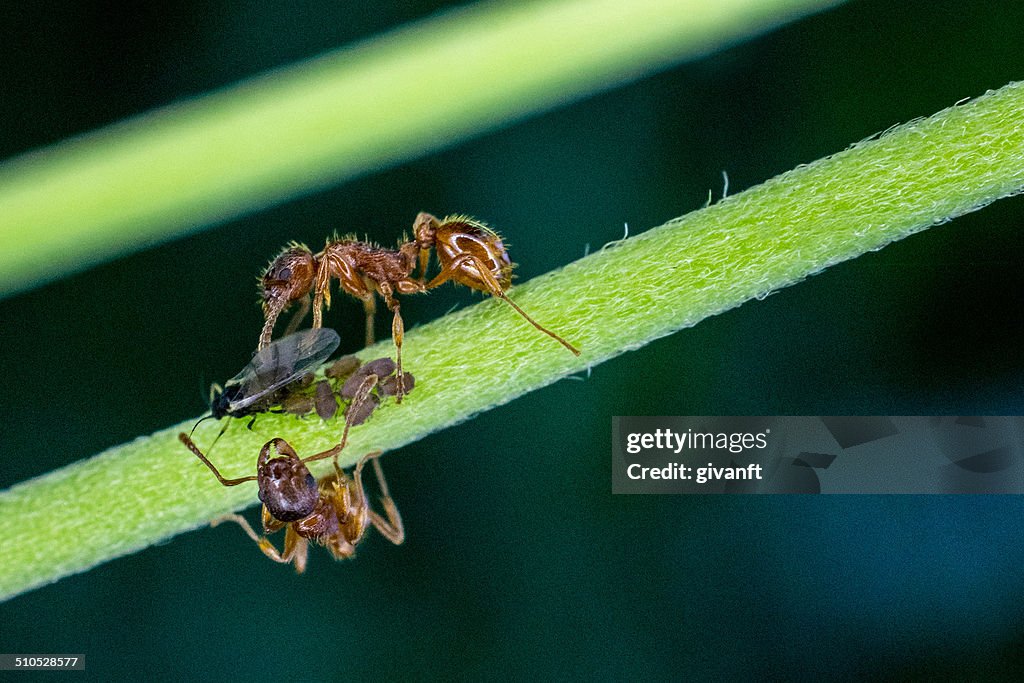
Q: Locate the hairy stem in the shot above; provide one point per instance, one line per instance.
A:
(360, 108)
(915, 176)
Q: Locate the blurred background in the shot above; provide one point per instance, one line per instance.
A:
(518, 559)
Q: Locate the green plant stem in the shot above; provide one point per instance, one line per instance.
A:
(750, 244)
(292, 131)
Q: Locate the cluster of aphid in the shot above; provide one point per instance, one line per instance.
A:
(335, 512)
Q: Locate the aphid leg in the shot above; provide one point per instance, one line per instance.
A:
(391, 528)
(297, 317)
(199, 454)
(494, 288)
(397, 333)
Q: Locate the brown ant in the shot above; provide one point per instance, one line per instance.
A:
(334, 513)
(468, 251)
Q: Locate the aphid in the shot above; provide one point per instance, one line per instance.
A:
(324, 401)
(255, 389)
(333, 513)
(342, 367)
(275, 376)
(468, 251)
(298, 404)
(359, 389)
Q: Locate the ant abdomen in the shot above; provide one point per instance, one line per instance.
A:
(459, 236)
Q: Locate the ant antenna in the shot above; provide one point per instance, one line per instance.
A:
(199, 454)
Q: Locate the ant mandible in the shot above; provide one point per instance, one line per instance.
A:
(334, 513)
(468, 251)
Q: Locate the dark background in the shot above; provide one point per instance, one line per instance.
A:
(518, 559)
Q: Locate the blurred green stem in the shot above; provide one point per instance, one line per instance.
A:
(914, 176)
(361, 108)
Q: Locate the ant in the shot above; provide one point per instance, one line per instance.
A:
(334, 513)
(468, 252)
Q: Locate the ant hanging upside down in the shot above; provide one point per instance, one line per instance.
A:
(469, 253)
(333, 512)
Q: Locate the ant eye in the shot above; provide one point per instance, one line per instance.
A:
(284, 274)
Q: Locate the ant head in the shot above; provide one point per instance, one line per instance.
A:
(287, 488)
(288, 277)
(424, 228)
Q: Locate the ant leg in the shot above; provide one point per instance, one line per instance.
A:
(271, 313)
(199, 454)
(296, 549)
(424, 264)
(321, 290)
(424, 231)
(292, 542)
(298, 317)
(397, 333)
(270, 523)
(391, 528)
(318, 313)
(370, 307)
(340, 547)
(361, 396)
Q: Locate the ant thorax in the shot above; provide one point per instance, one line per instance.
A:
(322, 522)
(347, 258)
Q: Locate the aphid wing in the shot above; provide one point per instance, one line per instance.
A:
(281, 363)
